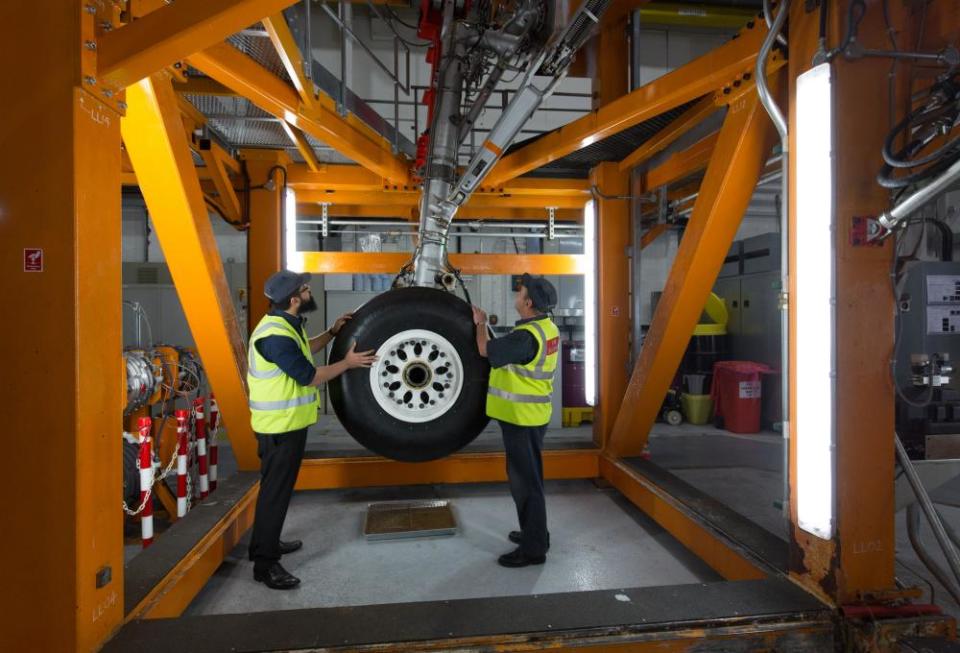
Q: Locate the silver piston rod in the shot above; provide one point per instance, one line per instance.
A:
(443, 194)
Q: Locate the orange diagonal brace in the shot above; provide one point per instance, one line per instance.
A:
(289, 52)
(699, 77)
(170, 33)
(298, 138)
(687, 121)
(246, 77)
(228, 199)
(682, 164)
(742, 149)
(652, 234)
(154, 138)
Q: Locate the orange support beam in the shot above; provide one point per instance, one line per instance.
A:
(701, 76)
(160, 154)
(128, 54)
(265, 233)
(226, 195)
(349, 135)
(652, 234)
(744, 144)
(687, 121)
(412, 199)
(860, 558)
(682, 164)
(613, 295)
(391, 262)
(298, 138)
(62, 413)
(332, 473)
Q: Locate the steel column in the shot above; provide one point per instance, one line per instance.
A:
(742, 149)
(161, 156)
(860, 558)
(613, 295)
(59, 193)
(265, 234)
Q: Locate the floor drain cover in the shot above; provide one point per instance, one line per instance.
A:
(399, 519)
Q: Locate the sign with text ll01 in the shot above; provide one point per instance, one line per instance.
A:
(32, 259)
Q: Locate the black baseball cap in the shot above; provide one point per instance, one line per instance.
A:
(284, 283)
(540, 291)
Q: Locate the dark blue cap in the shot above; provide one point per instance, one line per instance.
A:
(284, 283)
(540, 291)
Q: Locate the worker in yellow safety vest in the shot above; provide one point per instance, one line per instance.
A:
(519, 397)
(282, 380)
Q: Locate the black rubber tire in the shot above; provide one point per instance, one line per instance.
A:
(381, 318)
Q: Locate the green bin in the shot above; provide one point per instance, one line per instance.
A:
(697, 409)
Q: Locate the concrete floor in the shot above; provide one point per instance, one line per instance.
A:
(599, 541)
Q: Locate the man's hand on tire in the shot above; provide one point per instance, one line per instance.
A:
(356, 358)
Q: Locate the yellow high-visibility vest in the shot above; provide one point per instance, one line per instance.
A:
(278, 403)
(520, 394)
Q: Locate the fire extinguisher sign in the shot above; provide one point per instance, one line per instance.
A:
(32, 259)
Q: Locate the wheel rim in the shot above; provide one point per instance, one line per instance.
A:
(418, 377)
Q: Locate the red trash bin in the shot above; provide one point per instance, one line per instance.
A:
(736, 394)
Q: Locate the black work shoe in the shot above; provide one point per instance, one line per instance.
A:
(276, 577)
(516, 537)
(518, 558)
(290, 547)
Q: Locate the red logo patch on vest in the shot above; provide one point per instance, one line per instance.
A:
(553, 344)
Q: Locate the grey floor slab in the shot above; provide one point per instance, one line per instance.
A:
(599, 541)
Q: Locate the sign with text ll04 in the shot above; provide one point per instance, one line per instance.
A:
(32, 259)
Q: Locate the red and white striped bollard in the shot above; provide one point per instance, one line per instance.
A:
(214, 428)
(146, 482)
(200, 424)
(183, 417)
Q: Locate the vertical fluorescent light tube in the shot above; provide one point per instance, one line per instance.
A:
(590, 302)
(292, 259)
(813, 305)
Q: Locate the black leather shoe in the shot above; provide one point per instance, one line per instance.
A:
(518, 558)
(290, 547)
(515, 537)
(276, 577)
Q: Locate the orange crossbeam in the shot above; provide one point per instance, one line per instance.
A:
(164, 36)
(391, 262)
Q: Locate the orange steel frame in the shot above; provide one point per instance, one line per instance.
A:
(79, 229)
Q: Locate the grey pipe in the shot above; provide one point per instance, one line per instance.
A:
(776, 115)
(949, 551)
(918, 199)
(913, 532)
(766, 17)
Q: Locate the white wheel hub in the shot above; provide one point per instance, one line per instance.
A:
(418, 377)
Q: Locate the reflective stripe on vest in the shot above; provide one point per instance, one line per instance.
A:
(523, 399)
(520, 394)
(278, 404)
